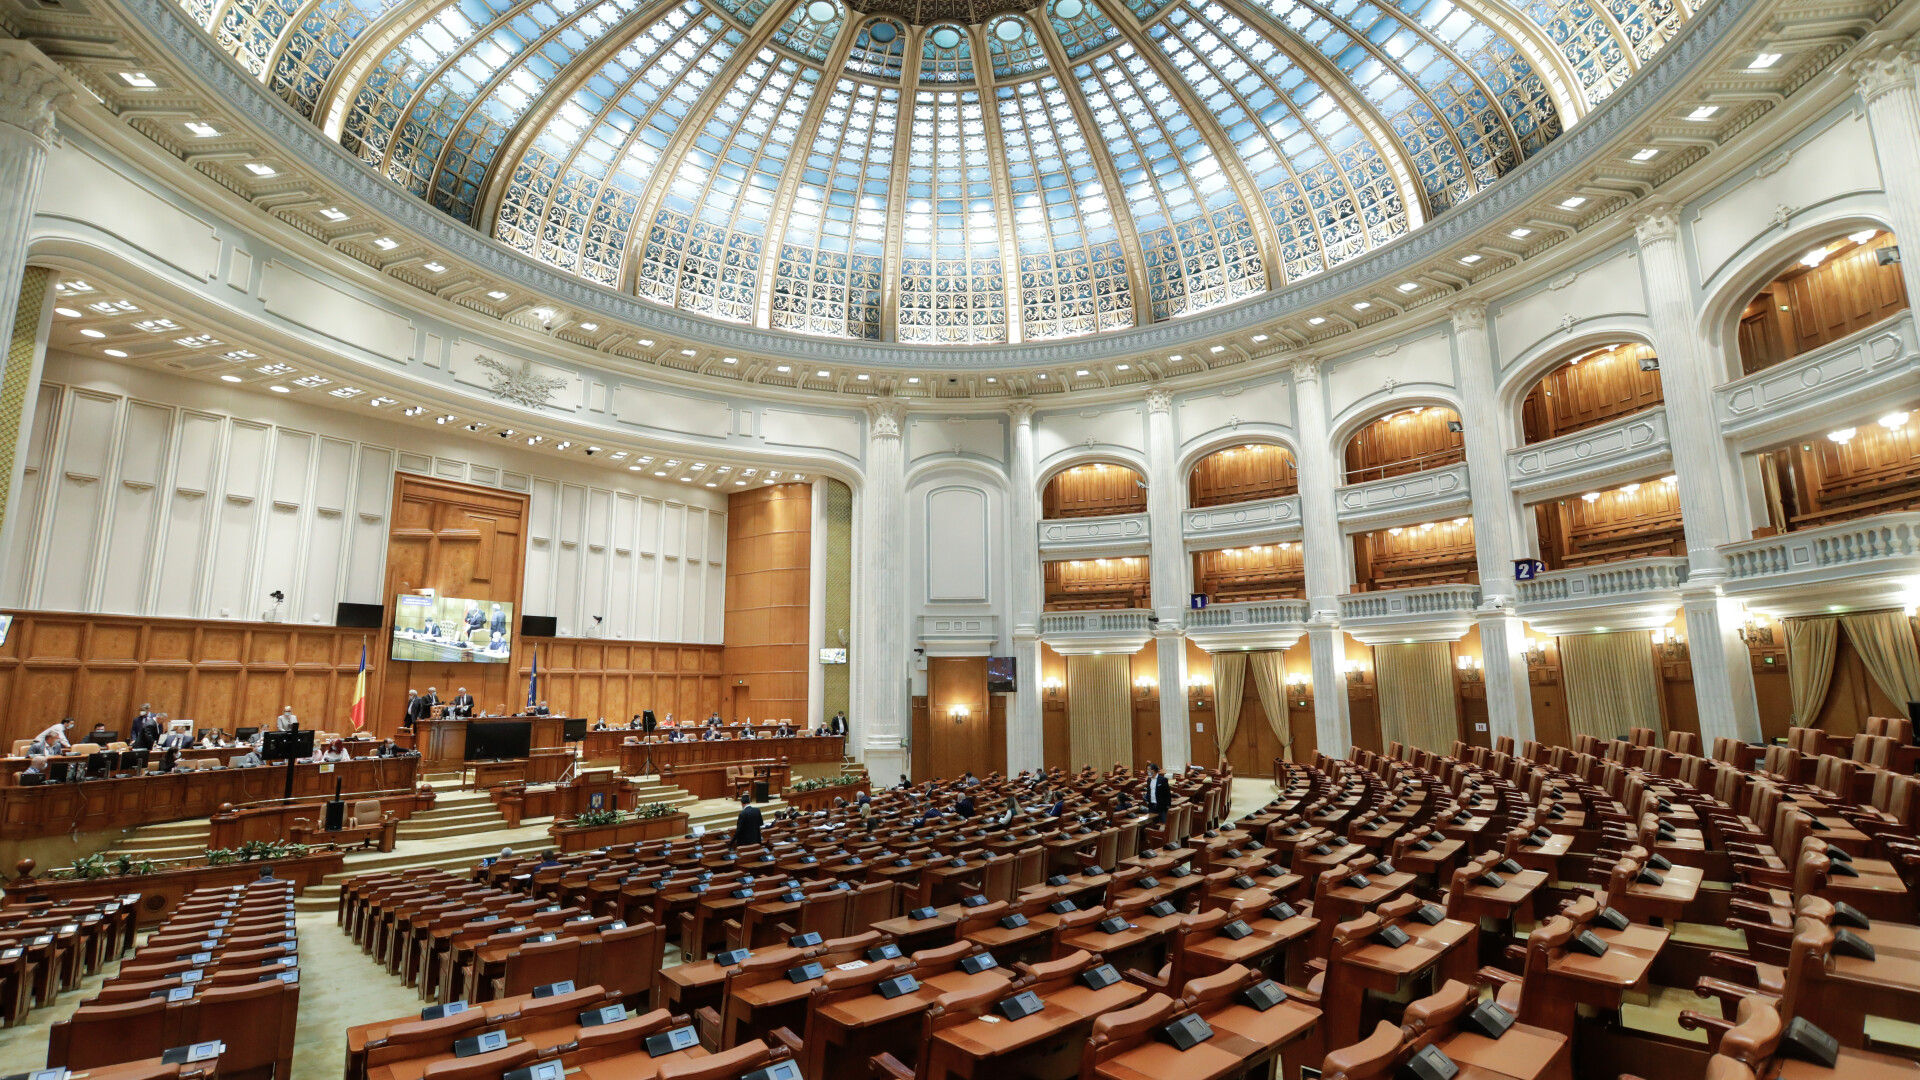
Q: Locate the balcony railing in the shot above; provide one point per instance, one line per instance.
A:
(1635, 594)
(1868, 562)
(1575, 459)
(1261, 521)
(1253, 624)
(1113, 630)
(1852, 373)
(1393, 470)
(1405, 498)
(1430, 613)
(1112, 536)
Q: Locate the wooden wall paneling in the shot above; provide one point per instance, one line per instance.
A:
(997, 733)
(617, 680)
(1093, 490)
(1259, 572)
(919, 753)
(769, 544)
(1620, 524)
(1363, 704)
(1589, 390)
(1435, 553)
(1146, 710)
(1877, 471)
(1089, 584)
(1056, 736)
(1242, 474)
(1804, 308)
(1204, 747)
(958, 745)
(1406, 441)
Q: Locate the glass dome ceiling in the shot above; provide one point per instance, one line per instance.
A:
(942, 171)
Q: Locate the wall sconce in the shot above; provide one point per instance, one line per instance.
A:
(959, 713)
(1469, 668)
(1197, 691)
(1143, 687)
(1299, 686)
(1756, 630)
(1051, 684)
(1668, 643)
(1357, 673)
(1536, 652)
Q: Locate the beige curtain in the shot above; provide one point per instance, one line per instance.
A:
(1416, 695)
(1884, 640)
(1270, 679)
(1229, 687)
(1611, 684)
(1099, 711)
(1810, 644)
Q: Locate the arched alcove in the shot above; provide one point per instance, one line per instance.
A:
(1242, 474)
(1592, 387)
(1407, 440)
(1094, 490)
(1834, 288)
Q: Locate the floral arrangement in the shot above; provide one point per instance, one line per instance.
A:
(818, 782)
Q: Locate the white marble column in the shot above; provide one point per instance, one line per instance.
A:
(882, 716)
(1026, 741)
(1171, 571)
(31, 89)
(1885, 80)
(1722, 668)
(817, 603)
(1323, 550)
(1503, 639)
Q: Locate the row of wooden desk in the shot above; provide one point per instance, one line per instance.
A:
(645, 758)
(125, 802)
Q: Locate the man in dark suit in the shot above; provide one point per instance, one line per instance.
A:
(746, 827)
(417, 708)
(540, 710)
(463, 703)
(146, 729)
(965, 806)
(1159, 794)
(837, 725)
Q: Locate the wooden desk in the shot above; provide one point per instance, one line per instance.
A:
(981, 1046)
(712, 781)
(96, 805)
(443, 742)
(274, 821)
(797, 749)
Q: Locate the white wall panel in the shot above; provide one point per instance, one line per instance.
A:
(957, 523)
(166, 496)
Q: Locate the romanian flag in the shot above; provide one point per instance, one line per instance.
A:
(360, 692)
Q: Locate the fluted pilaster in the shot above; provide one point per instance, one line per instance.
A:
(1324, 552)
(1166, 498)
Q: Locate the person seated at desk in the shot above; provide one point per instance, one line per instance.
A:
(904, 784)
(547, 859)
(713, 734)
(601, 724)
(35, 772)
(54, 738)
(542, 710)
(100, 736)
(714, 720)
(676, 735)
(1059, 807)
(335, 751)
(747, 732)
(179, 736)
(783, 730)
(247, 760)
(965, 806)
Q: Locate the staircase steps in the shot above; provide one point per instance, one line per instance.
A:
(172, 840)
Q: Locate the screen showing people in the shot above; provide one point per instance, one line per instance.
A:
(444, 628)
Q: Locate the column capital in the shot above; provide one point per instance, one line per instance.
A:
(887, 416)
(1659, 222)
(1469, 315)
(1159, 401)
(1883, 70)
(32, 89)
(1022, 412)
(1305, 367)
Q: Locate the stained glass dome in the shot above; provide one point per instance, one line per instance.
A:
(943, 172)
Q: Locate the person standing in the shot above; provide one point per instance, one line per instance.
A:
(838, 725)
(463, 703)
(286, 721)
(146, 729)
(1159, 793)
(417, 708)
(746, 827)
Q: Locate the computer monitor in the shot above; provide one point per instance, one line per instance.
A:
(57, 772)
(573, 729)
(96, 764)
(287, 745)
(103, 736)
(242, 734)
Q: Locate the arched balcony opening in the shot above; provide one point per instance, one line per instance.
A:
(1845, 284)
(1258, 572)
(1405, 441)
(1865, 466)
(1243, 474)
(1415, 556)
(1636, 520)
(1596, 387)
(1095, 584)
(1094, 491)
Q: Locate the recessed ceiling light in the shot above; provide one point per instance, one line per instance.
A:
(712, 484)
(114, 352)
(386, 243)
(1573, 202)
(589, 327)
(1704, 112)
(200, 130)
(862, 377)
(259, 168)
(645, 343)
(1175, 358)
(1258, 338)
(496, 294)
(724, 359)
(1646, 153)
(768, 480)
(69, 313)
(1217, 349)
(1315, 321)
(1764, 61)
(138, 78)
(633, 468)
(659, 472)
(1470, 259)
(229, 378)
(686, 352)
(1043, 376)
(1863, 235)
(915, 379)
(334, 213)
(1521, 234)
(991, 379)
(91, 332)
(278, 389)
(435, 266)
(739, 483)
(1123, 367)
(783, 369)
(686, 479)
(1363, 305)
(1080, 373)
(1409, 286)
